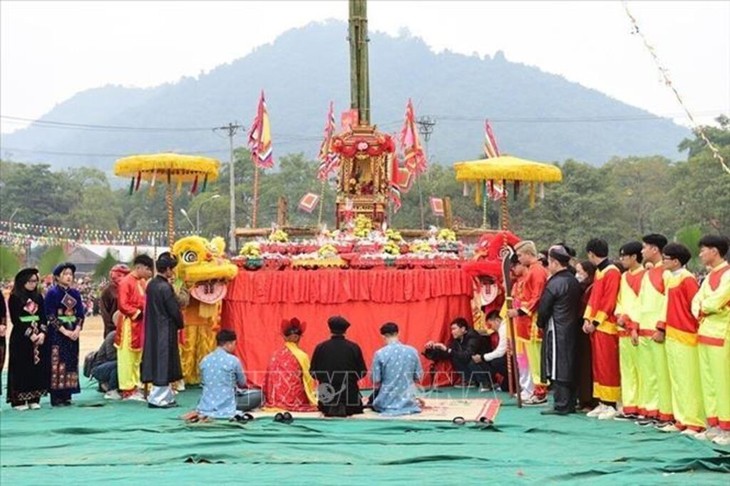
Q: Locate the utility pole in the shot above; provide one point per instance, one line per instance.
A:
(425, 129)
(231, 130)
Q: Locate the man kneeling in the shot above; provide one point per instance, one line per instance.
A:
(221, 374)
(396, 370)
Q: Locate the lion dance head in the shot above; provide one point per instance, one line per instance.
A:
(203, 268)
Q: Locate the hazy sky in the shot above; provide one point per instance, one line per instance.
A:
(51, 50)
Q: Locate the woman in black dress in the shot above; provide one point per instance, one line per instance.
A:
(28, 370)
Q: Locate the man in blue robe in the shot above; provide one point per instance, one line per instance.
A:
(396, 370)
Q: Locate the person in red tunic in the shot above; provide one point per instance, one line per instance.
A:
(288, 384)
(600, 323)
(128, 340)
(524, 313)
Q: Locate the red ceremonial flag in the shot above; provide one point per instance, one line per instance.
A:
(309, 202)
(405, 179)
(437, 206)
(415, 159)
(259, 137)
(329, 160)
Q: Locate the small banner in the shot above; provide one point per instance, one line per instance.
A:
(437, 206)
(309, 202)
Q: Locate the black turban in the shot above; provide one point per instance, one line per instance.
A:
(338, 324)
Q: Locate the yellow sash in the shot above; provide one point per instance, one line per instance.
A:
(307, 379)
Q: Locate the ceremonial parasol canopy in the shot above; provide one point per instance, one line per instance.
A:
(168, 168)
(503, 169)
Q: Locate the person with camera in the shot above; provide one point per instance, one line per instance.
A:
(465, 344)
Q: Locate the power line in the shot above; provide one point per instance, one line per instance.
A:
(91, 126)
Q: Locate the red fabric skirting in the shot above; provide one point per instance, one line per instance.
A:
(334, 286)
(421, 302)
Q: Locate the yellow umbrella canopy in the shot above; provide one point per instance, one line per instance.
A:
(182, 168)
(168, 168)
(502, 169)
(506, 168)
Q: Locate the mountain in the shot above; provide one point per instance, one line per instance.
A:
(534, 114)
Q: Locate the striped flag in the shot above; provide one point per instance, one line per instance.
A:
(329, 160)
(259, 137)
(415, 160)
(395, 188)
(309, 202)
(490, 144)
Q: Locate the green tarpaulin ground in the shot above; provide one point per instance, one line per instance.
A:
(117, 443)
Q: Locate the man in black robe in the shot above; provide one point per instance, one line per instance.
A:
(559, 317)
(338, 364)
(163, 320)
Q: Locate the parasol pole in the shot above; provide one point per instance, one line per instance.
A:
(505, 212)
(170, 214)
(255, 194)
(484, 205)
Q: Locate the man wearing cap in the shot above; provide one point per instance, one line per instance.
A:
(559, 318)
(338, 364)
(396, 370)
(65, 316)
(109, 297)
(288, 385)
(163, 319)
(130, 326)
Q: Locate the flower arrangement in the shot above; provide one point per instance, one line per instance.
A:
(363, 226)
(391, 248)
(251, 250)
(446, 235)
(327, 251)
(421, 247)
(279, 236)
(393, 235)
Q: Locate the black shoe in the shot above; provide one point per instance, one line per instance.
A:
(169, 405)
(626, 416)
(556, 412)
(646, 422)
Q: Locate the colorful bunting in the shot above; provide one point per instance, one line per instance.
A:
(329, 159)
(437, 206)
(309, 202)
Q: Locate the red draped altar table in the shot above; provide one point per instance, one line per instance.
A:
(421, 301)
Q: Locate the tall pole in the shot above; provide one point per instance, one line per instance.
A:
(359, 69)
(197, 213)
(231, 129)
(425, 128)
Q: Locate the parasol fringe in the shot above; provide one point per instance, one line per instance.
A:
(516, 189)
(179, 165)
(131, 186)
(139, 179)
(205, 183)
(194, 189)
(542, 191)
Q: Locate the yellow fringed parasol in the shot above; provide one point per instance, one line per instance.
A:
(505, 169)
(168, 168)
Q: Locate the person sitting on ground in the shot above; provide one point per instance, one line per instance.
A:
(224, 383)
(495, 361)
(288, 385)
(338, 364)
(466, 343)
(396, 371)
(102, 366)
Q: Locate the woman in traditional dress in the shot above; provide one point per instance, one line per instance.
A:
(28, 362)
(65, 314)
(585, 272)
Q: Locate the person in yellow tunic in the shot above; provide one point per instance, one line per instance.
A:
(655, 393)
(627, 317)
(711, 306)
(681, 344)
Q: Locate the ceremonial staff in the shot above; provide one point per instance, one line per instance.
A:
(513, 373)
